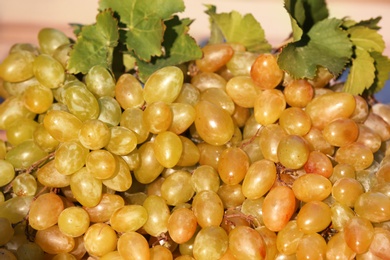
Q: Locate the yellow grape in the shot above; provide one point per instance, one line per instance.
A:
(340, 215)
(269, 105)
(293, 151)
(16, 209)
(44, 211)
(73, 221)
(49, 39)
(209, 154)
(24, 184)
(122, 140)
(110, 111)
(62, 125)
(163, 85)
(319, 163)
(160, 252)
(70, 157)
(374, 206)
(241, 62)
(205, 177)
(44, 140)
(208, 208)
(369, 138)
(157, 117)
(311, 246)
(241, 115)
(100, 239)
(133, 245)
(105, 208)
(12, 109)
(298, 93)
(150, 168)
(177, 188)
(242, 91)
(158, 215)
(325, 108)
(94, 134)
(219, 97)
(380, 241)
(38, 98)
(337, 248)
(122, 179)
(215, 56)
(183, 116)
(17, 66)
(167, 148)
(265, 71)
(53, 241)
(317, 142)
(278, 207)
(233, 165)
(7, 231)
(295, 121)
(355, 154)
(361, 111)
(346, 191)
(231, 195)
(182, 225)
(247, 243)
(213, 124)
(210, 243)
(129, 92)
(287, 239)
(259, 179)
(309, 187)
(269, 140)
(190, 155)
(205, 80)
(48, 71)
(7, 172)
(379, 125)
(189, 94)
(341, 132)
(86, 188)
(132, 118)
(100, 81)
(102, 164)
(25, 154)
(113, 255)
(314, 217)
(358, 234)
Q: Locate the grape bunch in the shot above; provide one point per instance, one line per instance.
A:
(223, 157)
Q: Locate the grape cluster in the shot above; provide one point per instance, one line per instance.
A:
(226, 157)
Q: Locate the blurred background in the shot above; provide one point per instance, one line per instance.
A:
(20, 20)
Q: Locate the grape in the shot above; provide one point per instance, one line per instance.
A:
(337, 248)
(44, 211)
(86, 188)
(242, 91)
(355, 154)
(241, 62)
(314, 217)
(48, 71)
(358, 234)
(190, 154)
(129, 92)
(100, 239)
(215, 56)
(319, 163)
(12, 109)
(53, 241)
(62, 126)
(269, 140)
(158, 215)
(38, 98)
(73, 221)
(210, 243)
(205, 80)
(317, 142)
(268, 106)
(25, 154)
(7, 231)
(295, 121)
(100, 81)
(105, 208)
(150, 168)
(341, 132)
(182, 225)
(298, 93)
(288, 239)
(293, 151)
(208, 208)
(7, 172)
(167, 148)
(309, 187)
(265, 71)
(311, 246)
(233, 165)
(160, 252)
(346, 191)
(102, 164)
(49, 176)
(246, 243)
(209, 154)
(29, 251)
(128, 218)
(94, 134)
(132, 245)
(189, 94)
(70, 157)
(157, 117)
(50, 39)
(24, 184)
(177, 188)
(205, 177)
(218, 97)
(374, 206)
(183, 116)
(110, 111)
(16, 209)
(17, 66)
(259, 179)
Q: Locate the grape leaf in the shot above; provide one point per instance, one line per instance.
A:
(370, 23)
(216, 35)
(325, 45)
(95, 44)
(144, 20)
(179, 47)
(362, 73)
(240, 29)
(366, 38)
(382, 65)
(304, 14)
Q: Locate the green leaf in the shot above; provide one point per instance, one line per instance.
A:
(241, 29)
(382, 65)
(304, 14)
(371, 23)
(362, 73)
(325, 45)
(144, 20)
(179, 47)
(95, 44)
(366, 38)
(216, 36)
(76, 28)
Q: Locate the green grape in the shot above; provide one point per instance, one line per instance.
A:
(24, 184)
(102, 164)
(49, 176)
(325, 108)
(17, 66)
(25, 154)
(183, 116)
(29, 251)
(309, 187)
(59, 93)
(177, 188)
(105, 208)
(38, 98)
(190, 154)
(150, 168)
(247, 243)
(128, 218)
(62, 126)
(16, 209)
(182, 225)
(129, 92)
(86, 188)
(189, 94)
(215, 56)
(61, 53)
(44, 211)
(241, 63)
(288, 238)
(167, 148)
(313, 217)
(73, 221)
(100, 81)
(81, 102)
(94, 134)
(24, 47)
(7, 231)
(205, 177)
(50, 39)
(100, 239)
(259, 179)
(210, 243)
(132, 118)
(163, 85)
(242, 91)
(70, 157)
(157, 117)
(278, 207)
(208, 208)
(268, 106)
(12, 109)
(358, 234)
(122, 180)
(44, 140)
(219, 97)
(295, 121)
(311, 246)
(293, 151)
(231, 195)
(53, 241)
(110, 111)
(20, 130)
(122, 140)
(134, 246)
(158, 215)
(7, 172)
(48, 71)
